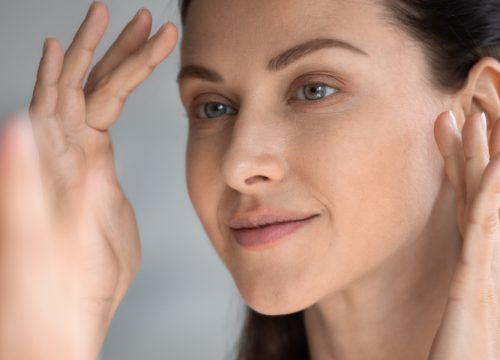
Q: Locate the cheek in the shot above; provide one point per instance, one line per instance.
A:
(377, 177)
(205, 186)
(201, 178)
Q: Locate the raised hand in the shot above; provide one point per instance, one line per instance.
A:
(470, 327)
(69, 243)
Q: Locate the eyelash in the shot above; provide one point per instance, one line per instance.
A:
(196, 107)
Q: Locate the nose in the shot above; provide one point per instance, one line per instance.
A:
(254, 158)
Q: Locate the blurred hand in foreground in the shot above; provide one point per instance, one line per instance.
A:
(69, 243)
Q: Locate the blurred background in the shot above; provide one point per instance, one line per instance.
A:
(183, 303)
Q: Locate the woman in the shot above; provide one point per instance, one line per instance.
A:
(342, 158)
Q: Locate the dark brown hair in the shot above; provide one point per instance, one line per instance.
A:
(454, 35)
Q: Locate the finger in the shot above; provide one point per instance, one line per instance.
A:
(130, 39)
(476, 151)
(24, 243)
(21, 195)
(449, 141)
(79, 55)
(495, 139)
(483, 230)
(106, 102)
(44, 99)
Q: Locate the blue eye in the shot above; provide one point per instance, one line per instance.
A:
(309, 92)
(314, 91)
(213, 110)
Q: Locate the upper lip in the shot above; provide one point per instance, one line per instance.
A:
(261, 218)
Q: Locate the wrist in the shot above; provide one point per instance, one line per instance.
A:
(52, 336)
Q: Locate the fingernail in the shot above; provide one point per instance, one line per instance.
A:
(91, 7)
(162, 28)
(452, 119)
(139, 12)
(159, 31)
(484, 123)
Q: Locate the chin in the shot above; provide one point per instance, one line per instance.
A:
(276, 300)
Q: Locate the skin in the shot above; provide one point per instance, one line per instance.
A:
(400, 264)
(375, 266)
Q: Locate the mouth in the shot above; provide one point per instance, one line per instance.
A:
(263, 236)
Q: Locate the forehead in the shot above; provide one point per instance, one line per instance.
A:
(241, 29)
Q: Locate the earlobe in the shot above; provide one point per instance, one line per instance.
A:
(482, 91)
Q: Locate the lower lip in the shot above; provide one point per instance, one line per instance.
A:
(262, 238)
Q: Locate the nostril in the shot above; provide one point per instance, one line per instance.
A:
(256, 178)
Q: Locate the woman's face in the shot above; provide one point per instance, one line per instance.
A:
(358, 149)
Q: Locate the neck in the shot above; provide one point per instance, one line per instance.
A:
(394, 311)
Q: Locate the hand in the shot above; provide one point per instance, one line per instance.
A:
(470, 327)
(69, 243)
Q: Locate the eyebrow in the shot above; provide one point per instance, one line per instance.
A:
(277, 63)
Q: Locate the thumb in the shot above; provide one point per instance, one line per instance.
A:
(21, 195)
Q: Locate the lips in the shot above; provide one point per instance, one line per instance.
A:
(265, 218)
(260, 238)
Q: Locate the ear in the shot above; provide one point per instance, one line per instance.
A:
(482, 92)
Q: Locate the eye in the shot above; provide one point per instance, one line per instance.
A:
(213, 110)
(314, 91)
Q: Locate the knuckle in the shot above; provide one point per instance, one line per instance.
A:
(473, 218)
(480, 215)
(107, 88)
(82, 47)
(147, 60)
(68, 84)
(468, 158)
(483, 298)
(472, 287)
(123, 95)
(490, 224)
(488, 295)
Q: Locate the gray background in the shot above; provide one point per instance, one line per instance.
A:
(183, 303)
